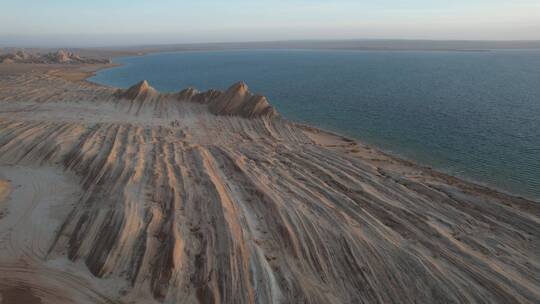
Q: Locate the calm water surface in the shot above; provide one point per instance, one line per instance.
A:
(471, 114)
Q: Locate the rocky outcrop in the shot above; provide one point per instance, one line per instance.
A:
(236, 101)
(239, 101)
(139, 91)
(6, 60)
(19, 56)
(207, 97)
(191, 94)
(59, 57)
(188, 94)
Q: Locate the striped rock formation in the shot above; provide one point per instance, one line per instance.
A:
(169, 202)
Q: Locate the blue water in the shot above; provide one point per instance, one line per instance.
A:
(471, 114)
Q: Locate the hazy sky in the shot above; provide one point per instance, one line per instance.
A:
(105, 22)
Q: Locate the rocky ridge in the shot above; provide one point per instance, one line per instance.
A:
(235, 101)
(58, 57)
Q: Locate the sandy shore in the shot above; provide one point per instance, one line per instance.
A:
(120, 197)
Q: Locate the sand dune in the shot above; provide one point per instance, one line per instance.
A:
(137, 196)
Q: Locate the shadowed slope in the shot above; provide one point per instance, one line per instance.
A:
(239, 101)
(141, 90)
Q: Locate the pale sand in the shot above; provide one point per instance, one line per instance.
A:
(157, 199)
(40, 200)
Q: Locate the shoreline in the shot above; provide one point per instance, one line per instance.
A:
(479, 185)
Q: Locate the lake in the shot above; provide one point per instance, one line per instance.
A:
(470, 114)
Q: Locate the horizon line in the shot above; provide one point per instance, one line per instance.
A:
(221, 42)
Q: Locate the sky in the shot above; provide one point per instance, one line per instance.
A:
(129, 22)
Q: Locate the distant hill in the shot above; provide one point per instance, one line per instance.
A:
(58, 57)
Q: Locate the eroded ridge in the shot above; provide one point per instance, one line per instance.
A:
(236, 101)
(181, 205)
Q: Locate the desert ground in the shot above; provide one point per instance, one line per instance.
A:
(135, 196)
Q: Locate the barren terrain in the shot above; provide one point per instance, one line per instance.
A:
(110, 196)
